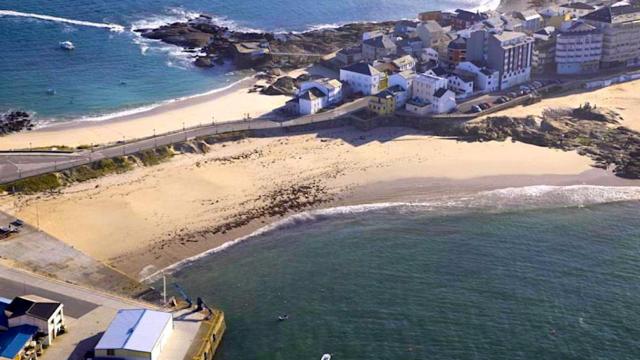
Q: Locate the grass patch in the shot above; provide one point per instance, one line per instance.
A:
(46, 182)
(98, 169)
(154, 157)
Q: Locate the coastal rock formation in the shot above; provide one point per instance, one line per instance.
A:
(591, 131)
(14, 121)
(261, 51)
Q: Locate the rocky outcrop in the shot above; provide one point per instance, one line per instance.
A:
(590, 131)
(285, 85)
(285, 51)
(14, 121)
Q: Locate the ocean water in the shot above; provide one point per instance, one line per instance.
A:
(118, 71)
(531, 273)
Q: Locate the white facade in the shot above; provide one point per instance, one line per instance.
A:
(403, 79)
(331, 88)
(487, 80)
(368, 83)
(444, 100)
(461, 86)
(578, 49)
(424, 86)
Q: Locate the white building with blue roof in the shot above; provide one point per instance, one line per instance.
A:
(135, 334)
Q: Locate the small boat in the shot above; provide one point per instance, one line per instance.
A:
(51, 91)
(67, 45)
(326, 357)
(283, 317)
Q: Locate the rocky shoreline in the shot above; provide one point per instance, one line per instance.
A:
(213, 44)
(14, 121)
(590, 130)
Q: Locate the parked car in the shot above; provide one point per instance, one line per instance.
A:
(476, 109)
(17, 223)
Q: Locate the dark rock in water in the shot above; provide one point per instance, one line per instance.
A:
(203, 33)
(204, 61)
(14, 121)
(285, 85)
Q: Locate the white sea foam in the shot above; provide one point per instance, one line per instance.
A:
(516, 198)
(112, 27)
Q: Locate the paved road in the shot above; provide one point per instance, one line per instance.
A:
(14, 166)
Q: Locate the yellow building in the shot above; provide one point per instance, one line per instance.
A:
(384, 103)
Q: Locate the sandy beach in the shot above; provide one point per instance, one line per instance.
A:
(149, 218)
(224, 105)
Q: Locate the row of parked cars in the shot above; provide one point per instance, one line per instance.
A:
(13, 228)
(523, 90)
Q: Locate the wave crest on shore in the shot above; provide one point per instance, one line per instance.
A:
(499, 200)
(112, 27)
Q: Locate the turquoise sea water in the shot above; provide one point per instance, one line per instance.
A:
(119, 71)
(513, 275)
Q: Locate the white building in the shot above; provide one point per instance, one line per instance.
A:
(400, 95)
(403, 79)
(425, 85)
(434, 90)
(444, 100)
(363, 78)
(135, 334)
(486, 80)
(531, 20)
(44, 314)
(578, 48)
(461, 83)
(404, 63)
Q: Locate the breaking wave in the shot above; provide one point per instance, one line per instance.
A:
(112, 27)
(495, 201)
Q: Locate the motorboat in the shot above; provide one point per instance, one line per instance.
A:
(283, 317)
(67, 45)
(326, 357)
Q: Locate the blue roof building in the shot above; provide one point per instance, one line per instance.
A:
(14, 341)
(135, 334)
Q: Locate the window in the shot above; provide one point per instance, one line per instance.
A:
(111, 352)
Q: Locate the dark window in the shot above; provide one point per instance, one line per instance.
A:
(111, 352)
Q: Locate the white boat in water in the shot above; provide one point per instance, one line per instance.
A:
(326, 357)
(67, 45)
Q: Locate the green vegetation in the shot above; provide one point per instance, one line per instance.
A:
(154, 157)
(46, 182)
(94, 170)
(98, 169)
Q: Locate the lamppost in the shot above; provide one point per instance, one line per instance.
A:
(184, 131)
(155, 144)
(124, 146)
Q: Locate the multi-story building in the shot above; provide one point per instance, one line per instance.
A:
(378, 47)
(511, 54)
(531, 20)
(363, 78)
(349, 55)
(578, 48)
(464, 19)
(461, 83)
(425, 85)
(486, 80)
(443, 101)
(620, 26)
(577, 9)
(403, 79)
(544, 50)
(457, 51)
(318, 94)
(382, 103)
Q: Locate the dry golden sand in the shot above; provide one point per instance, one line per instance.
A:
(131, 220)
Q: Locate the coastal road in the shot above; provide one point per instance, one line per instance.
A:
(19, 165)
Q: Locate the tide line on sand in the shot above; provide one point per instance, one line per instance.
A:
(526, 198)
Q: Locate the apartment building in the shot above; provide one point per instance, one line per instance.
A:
(511, 54)
(578, 48)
